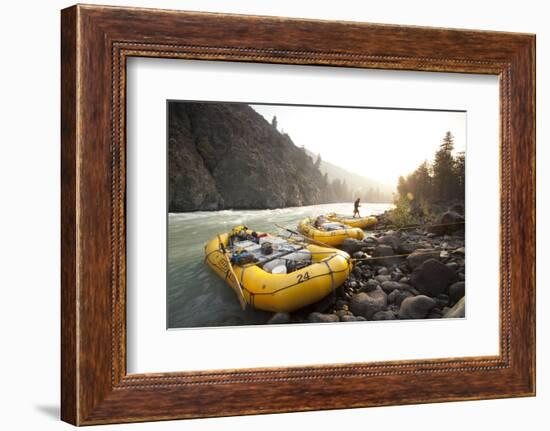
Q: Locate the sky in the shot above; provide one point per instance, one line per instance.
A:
(379, 144)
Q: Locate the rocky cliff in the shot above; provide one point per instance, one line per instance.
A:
(223, 155)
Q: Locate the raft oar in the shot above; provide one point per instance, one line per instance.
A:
(239, 289)
(314, 241)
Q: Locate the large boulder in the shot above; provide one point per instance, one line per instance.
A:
(419, 256)
(457, 290)
(367, 304)
(417, 307)
(351, 246)
(385, 256)
(448, 223)
(458, 310)
(433, 278)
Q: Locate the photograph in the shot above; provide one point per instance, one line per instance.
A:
(302, 214)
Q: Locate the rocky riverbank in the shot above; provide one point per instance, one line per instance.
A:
(414, 272)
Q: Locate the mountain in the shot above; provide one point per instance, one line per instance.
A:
(358, 186)
(226, 155)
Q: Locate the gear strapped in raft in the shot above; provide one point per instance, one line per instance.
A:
(327, 232)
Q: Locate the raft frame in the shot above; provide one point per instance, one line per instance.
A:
(96, 41)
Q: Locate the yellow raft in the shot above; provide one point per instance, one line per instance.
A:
(328, 270)
(360, 222)
(333, 237)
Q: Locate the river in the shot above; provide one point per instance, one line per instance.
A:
(197, 297)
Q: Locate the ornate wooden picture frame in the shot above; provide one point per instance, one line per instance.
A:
(96, 41)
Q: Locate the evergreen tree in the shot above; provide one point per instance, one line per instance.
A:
(460, 174)
(274, 121)
(401, 186)
(422, 182)
(444, 179)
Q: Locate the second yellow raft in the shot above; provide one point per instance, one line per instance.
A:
(330, 237)
(360, 222)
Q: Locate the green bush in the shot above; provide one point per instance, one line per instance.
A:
(401, 215)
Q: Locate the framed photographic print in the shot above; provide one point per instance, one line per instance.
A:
(324, 214)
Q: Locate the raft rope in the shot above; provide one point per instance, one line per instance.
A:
(393, 227)
(332, 282)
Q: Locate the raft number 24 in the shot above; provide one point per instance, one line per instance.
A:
(303, 277)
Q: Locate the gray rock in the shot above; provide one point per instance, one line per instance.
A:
(382, 278)
(432, 278)
(279, 318)
(384, 315)
(408, 247)
(367, 304)
(384, 255)
(418, 257)
(353, 284)
(417, 307)
(389, 286)
(452, 265)
(458, 310)
(457, 290)
(370, 241)
(369, 286)
(392, 296)
(461, 251)
(383, 271)
(442, 300)
(435, 314)
(449, 222)
(457, 208)
(351, 246)
(392, 240)
(344, 312)
(359, 255)
(396, 297)
(316, 317)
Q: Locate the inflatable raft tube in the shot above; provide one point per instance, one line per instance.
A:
(360, 222)
(332, 237)
(281, 292)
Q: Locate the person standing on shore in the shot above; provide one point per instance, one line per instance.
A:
(356, 208)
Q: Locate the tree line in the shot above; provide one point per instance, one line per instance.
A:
(442, 180)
